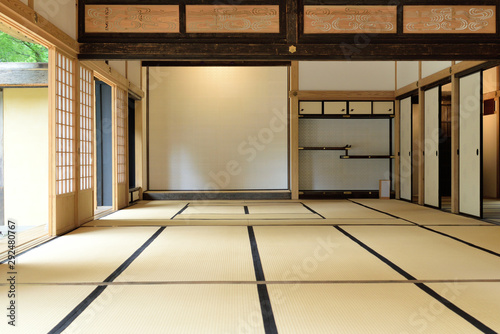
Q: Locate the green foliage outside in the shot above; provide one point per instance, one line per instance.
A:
(17, 51)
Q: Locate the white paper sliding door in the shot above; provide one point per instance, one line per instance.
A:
(470, 144)
(431, 147)
(405, 148)
(218, 128)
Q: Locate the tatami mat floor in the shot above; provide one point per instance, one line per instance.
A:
(346, 266)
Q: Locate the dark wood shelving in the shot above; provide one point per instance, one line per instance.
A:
(326, 148)
(366, 157)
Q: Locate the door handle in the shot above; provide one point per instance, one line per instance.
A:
(477, 152)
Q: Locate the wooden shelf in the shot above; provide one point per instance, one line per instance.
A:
(319, 148)
(359, 116)
(366, 157)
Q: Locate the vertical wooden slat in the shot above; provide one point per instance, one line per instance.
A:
(52, 141)
(455, 98)
(397, 149)
(294, 130)
(420, 146)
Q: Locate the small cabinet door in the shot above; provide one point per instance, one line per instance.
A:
(310, 108)
(360, 108)
(383, 108)
(335, 108)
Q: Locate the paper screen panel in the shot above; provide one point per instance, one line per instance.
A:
(86, 128)
(65, 125)
(405, 166)
(470, 145)
(431, 147)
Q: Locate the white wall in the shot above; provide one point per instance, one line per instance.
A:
(347, 75)
(61, 13)
(490, 80)
(407, 73)
(26, 156)
(119, 66)
(431, 67)
(134, 68)
(218, 128)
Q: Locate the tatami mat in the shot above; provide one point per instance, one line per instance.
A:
(343, 209)
(217, 309)
(481, 300)
(361, 308)
(244, 222)
(301, 253)
(40, 308)
(265, 208)
(148, 210)
(194, 209)
(268, 216)
(427, 255)
(484, 236)
(418, 214)
(212, 253)
(84, 255)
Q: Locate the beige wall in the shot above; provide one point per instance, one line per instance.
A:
(61, 13)
(347, 75)
(490, 156)
(26, 155)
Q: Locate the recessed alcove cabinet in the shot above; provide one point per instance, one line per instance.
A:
(345, 147)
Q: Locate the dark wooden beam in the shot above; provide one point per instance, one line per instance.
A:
(341, 51)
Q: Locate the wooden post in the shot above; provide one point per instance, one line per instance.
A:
(455, 98)
(397, 148)
(420, 146)
(294, 130)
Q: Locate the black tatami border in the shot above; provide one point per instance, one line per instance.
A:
(265, 301)
(180, 211)
(64, 323)
(316, 213)
(432, 230)
(452, 307)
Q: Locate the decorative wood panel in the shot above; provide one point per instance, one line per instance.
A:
(350, 19)
(232, 19)
(131, 19)
(449, 19)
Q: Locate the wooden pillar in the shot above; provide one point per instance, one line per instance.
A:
(294, 130)
(420, 147)
(397, 148)
(455, 98)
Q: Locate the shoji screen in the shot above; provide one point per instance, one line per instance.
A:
(470, 145)
(65, 125)
(431, 146)
(86, 144)
(121, 113)
(405, 149)
(218, 128)
(86, 128)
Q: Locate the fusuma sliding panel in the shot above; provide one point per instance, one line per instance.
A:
(218, 128)
(405, 168)
(470, 145)
(431, 147)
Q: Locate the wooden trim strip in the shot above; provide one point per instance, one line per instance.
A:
(104, 71)
(310, 95)
(22, 17)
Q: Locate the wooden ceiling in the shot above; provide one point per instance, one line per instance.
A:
(289, 30)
